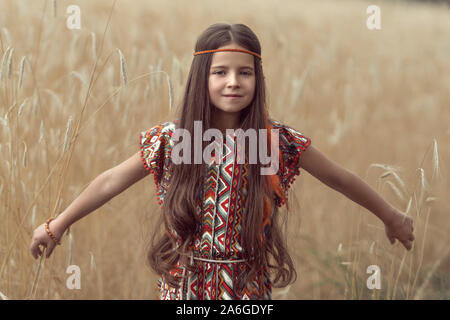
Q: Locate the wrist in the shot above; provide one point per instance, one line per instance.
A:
(390, 217)
(57, 226)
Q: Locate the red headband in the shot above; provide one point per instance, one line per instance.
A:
(238, 50)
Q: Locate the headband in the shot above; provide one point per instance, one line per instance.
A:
(238, 50)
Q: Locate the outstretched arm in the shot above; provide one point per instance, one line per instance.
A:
(333, 175)
(102, 189)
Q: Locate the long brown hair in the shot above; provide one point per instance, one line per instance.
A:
(186, 185)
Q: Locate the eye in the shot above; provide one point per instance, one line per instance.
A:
(243, 72)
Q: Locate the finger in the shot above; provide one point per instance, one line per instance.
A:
(407, 244)
(39, 252)
(35, 250)
(49, 249)
(390, 237)
(32, 250)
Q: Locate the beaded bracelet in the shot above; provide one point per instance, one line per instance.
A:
(49, 232)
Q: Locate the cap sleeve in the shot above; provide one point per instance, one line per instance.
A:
(292, 144)
(156, 146)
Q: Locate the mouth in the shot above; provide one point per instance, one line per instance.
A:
(232, 96)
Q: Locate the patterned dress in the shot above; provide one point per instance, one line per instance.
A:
(224, 197)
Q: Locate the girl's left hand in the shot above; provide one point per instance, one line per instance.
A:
(400, 226)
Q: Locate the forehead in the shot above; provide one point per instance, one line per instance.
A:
(232, 59)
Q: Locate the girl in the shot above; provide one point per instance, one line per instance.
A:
(221, 235)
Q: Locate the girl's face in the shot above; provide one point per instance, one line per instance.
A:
(231, 73)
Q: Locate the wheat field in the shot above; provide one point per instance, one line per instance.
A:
(73, 102)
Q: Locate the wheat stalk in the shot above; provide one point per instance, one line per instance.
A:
(69, 258)
(371, 247)
(22, 106)
(35, 101)
(408, 207)
(10, 109)
(435, 160)
(24, 188)
(10, 63)
(66, 138)
(92, 264)
(94, 45)
(79, 77)
(25, 155)
(422, 249)
(159, 67)
(4, 121)
(123, 68)
(36, 277)
(4, 297)
(398, 275)
(396, 177)
(385, 174)
(395, 189)
(153, 81)
(33, 216)
(419, 294)
(41, 131)
(423, 184)
(169, 84)
(4, 62)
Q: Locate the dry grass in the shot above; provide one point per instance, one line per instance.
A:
(373, 101)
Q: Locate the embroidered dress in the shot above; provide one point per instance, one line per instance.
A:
(216, 246)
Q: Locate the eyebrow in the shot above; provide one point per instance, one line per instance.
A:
(225, 67)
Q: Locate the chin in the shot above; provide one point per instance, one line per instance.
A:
(231, 109)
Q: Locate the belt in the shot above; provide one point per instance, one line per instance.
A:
(219, 261)
(216, 260)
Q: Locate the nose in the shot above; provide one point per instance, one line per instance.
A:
(233, 80)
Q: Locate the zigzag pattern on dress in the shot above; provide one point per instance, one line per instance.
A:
(223, 200)
(225, 190)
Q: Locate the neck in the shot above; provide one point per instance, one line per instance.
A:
(226, 120)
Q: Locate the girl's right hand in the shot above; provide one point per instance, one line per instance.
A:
(40, 237)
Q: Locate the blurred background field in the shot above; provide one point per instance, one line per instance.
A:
(374, 101)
